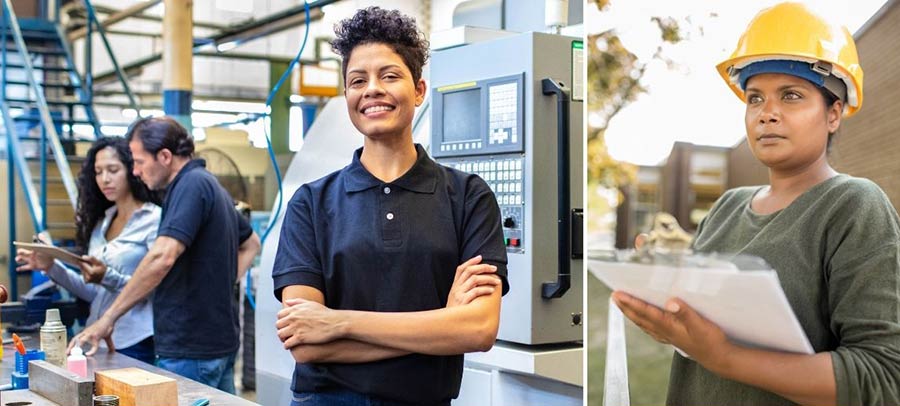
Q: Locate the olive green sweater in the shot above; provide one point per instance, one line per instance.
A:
(836, 249)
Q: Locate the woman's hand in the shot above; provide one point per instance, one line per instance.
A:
(32, 261)
(308, 322)
(680, 326)
(473, 279)
(93, 270)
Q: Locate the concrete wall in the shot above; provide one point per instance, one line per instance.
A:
(867, 144)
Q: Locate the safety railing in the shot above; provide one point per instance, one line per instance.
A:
(94, 23)
(17, 164)
(615, 377)
(49, 130)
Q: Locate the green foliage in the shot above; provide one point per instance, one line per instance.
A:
(601, 4)
(603, 170)
(614, 75)
(614, 80)
(669, 29)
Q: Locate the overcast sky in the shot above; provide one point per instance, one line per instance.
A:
(690, 102)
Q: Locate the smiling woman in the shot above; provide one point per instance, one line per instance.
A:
(382, 93)
(393, 267)
(832, 238)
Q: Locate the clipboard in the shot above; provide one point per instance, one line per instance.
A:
(55, 252)
(748, 305)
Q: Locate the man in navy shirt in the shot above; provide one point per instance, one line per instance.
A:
(393, 267)
(202, 248)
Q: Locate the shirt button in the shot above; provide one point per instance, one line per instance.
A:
(387, 190)
(390, 216)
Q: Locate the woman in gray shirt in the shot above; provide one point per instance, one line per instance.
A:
(833, 239)
(116, 220)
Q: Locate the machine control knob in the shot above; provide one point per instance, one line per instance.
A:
(509, 222)
(576, 319)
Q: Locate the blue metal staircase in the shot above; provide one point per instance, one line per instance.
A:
(44, 100)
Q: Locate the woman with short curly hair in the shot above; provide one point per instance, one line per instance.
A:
(393, 267)
(116, 221)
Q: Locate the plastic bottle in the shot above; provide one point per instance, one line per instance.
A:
(77, 363)
(53, 339)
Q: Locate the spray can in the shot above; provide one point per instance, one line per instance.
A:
(53, 339)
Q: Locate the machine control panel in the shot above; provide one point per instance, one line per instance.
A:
(505, 176)
(479, 117)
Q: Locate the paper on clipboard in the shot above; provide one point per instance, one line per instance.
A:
(749, 306)
(52, 251)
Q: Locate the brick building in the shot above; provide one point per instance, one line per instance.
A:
(868, 144)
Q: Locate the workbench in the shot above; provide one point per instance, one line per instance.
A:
(188, 390)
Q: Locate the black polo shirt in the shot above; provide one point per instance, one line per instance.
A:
(388, 247)
(194, 311)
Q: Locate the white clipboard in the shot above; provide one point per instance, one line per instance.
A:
(55, 252)
(749, 306)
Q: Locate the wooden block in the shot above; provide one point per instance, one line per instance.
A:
(59, 385)
(136, 387)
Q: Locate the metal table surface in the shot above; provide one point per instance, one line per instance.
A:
(188, 390)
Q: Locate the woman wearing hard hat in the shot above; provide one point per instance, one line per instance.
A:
(833, 239)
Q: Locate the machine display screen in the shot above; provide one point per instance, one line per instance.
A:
(462, 115)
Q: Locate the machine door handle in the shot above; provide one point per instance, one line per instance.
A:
(553, 290)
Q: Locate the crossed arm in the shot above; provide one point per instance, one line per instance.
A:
(315, 333)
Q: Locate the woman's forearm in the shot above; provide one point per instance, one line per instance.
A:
(804, 379)
(344, 351)
(71, 281)
(447, 331)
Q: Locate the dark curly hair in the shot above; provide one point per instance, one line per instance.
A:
(92, 204)
(389, 27)
(158, 133)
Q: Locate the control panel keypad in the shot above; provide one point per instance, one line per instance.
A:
(504, 177)
(502, 114)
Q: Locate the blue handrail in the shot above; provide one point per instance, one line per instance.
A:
(15, 158)
(10, 174)
(46, 121)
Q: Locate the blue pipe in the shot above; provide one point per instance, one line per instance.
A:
(274, 216)
(10, 174)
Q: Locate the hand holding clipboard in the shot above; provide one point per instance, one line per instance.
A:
(38, 255)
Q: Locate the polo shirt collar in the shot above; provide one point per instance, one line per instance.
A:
(421, 178)
(191, 165)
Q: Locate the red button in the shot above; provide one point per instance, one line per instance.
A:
(514, 242)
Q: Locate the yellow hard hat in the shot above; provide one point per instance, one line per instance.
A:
(792, 32)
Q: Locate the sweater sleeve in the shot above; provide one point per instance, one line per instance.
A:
(71, 281)
(864, 299)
